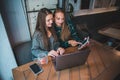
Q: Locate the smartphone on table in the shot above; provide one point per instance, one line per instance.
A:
(36, 69)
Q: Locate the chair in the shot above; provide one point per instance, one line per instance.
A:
(22, 53)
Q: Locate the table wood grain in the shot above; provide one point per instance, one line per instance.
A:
(102, 64)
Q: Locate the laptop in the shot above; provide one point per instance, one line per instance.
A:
(70, 60)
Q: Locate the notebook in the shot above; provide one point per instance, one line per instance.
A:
(70, 60)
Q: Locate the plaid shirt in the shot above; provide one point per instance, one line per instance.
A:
(73, 33)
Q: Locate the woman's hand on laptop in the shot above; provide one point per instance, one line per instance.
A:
(52, 53)
(60, 50)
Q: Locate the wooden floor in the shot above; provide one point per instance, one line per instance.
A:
(102, 64)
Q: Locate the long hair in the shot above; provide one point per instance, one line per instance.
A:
(41, 26)
(65, 33)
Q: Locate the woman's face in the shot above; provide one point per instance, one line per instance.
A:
(59, 18)
(49, 20)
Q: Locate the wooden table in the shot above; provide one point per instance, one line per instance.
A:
(102, 64)
(110, 32)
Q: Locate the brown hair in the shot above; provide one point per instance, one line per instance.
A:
(41, 26)
(65, 33)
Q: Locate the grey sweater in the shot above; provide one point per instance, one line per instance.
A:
(38, 45)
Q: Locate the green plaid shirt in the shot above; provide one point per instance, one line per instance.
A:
(74, 35)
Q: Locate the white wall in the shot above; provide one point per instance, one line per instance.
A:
(15, 21)
(7, 60)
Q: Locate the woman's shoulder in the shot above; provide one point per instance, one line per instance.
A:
(37, 33)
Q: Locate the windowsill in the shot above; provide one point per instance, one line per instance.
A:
(94, 11)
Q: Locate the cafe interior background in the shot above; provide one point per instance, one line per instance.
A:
(18, 18)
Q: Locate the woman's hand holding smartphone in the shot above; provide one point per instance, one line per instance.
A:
(84, 43)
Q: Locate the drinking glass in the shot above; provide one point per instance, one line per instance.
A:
(42, 58)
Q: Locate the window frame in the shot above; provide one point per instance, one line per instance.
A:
(93, 10)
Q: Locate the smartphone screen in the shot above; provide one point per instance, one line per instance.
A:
(84, 42)
(36, 69)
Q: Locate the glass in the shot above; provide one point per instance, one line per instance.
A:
(42, 58)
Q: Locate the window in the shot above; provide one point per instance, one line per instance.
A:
(32, 9)
(104, 3)
(85, 4)
(87, 7)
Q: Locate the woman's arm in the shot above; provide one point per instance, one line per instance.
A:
(37, 45)
(73, 32)
(58, 48)
(64, 44)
